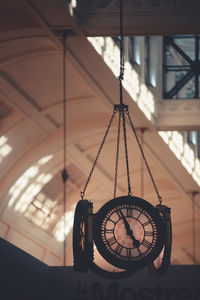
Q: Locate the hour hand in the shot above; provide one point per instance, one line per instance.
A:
(129, 232)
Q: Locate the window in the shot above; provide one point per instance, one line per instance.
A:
(181, 65)
(151, 61)
(198, 145)
(134, 50)
(192, 137)
(117, 41)
(147, 60)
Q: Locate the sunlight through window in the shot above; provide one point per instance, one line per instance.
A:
(28, 185)
(5, 148)
(138, 91)
(59, 229)
(183, 152)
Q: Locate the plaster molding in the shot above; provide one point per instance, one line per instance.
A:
(178, 106)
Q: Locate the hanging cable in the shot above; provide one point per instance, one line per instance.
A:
(193, 227)
(117, 155)
(121, 40)
(126, 153)
(98, 154)
(122, 106)
(64, 172)
(142, 163)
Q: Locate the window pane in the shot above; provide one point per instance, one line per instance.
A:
(187, 91)
(199, 144)
(153, 61)
(199, 48)
(134, 50)
(187, 44)
(173, 58)
(172, 78)
(181, 80)
(192, 137)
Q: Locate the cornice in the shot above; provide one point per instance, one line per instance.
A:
(133, 6)
(178, 106)
(141, 17)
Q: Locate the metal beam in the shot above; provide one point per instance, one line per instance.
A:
(101, 18)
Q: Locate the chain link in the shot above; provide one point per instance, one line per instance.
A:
(117, 155)
(98, 154)
(144, 157)
(126, 151)
(142, 166)
(121, 40)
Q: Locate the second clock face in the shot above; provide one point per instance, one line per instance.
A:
(128, 232)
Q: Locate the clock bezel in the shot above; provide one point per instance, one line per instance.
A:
(99, 221)
(83, 257)
(165, 254)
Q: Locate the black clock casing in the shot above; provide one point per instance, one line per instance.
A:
(82, 236)
(160, 266)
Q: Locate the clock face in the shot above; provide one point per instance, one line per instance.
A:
(128, 232)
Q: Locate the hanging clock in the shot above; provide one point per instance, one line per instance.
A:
(160, 265)
(82, 236)
(128, 232)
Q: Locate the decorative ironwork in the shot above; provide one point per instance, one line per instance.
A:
(181, 67)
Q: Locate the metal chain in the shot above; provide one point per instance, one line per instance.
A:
(117, 155)
(123, 107)
(121, 39)
(144, 157)
(126, 152)
(142, 165)
(98, 153)
(64, 172)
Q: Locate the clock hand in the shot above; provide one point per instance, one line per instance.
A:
(129, 232)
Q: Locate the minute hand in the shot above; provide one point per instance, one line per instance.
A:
(129, 231)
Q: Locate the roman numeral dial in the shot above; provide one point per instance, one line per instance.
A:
(127, 230)
(111, 241)
(146, 243)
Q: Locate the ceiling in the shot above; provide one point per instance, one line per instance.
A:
(139, 17)
(31, 127)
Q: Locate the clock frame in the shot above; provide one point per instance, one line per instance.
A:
(161, 264)
(82, 236)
